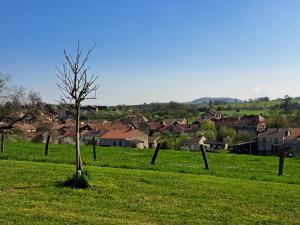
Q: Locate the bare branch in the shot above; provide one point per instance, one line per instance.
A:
(74, 81)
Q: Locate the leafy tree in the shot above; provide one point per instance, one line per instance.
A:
(297, 116)
(208, 129)
(287, 104)
(277, 120)
(226, 134)
(262, 99)
(167, 139)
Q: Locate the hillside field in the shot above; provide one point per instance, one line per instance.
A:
(126, 189)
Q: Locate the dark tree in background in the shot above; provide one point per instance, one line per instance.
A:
(76, 85)
(287, 105)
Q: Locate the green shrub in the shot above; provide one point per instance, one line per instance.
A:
(77, 181)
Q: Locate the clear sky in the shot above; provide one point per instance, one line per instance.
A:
(157, 50)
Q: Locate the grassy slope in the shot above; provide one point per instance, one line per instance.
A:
(29, 195)
(253, 108)
(222, 164)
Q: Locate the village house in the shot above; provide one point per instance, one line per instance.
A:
(211, 115)
(292, 142)
(69, 136)
(246, 125)
(247, 147)
(90, 131)
(25, 127)
(89, 135)
(132, 138)
(168, 122)
(141, 125)
(271, 140)
(138, 122)
(154, 126)
(46, 117)
(96, 126)
(121, 126)
(135, 119)
(177, 129)
(216, 145)
(194, 143)
(87, 130)
(153, 141)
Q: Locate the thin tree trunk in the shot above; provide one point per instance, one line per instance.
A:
(2, 143)
(78, 156)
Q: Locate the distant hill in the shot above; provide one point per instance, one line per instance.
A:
(204, 100)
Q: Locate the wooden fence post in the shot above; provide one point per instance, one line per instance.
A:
(47, 145)
(94, 148)
(204, 156)
(2, 142)
(281, 161)
(155, 153)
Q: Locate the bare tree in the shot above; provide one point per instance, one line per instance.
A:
(76, 85)
(16, 105)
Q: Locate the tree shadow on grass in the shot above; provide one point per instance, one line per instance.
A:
(24, 187)
(75, 182)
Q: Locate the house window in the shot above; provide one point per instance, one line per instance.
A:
(264, 140)
(120, 143)
(114, 143)
(276, 141)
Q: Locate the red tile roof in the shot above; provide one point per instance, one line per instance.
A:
(120, 134)
(155, 125)
(120, 126)
(25, 126)
(71, 132)
(294, 135)
(99, 126)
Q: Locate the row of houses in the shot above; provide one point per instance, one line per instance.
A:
(138, 131)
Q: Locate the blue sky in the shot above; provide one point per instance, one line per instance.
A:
(154, 50)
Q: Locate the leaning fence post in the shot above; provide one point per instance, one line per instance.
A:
(155, 154)
(204, 156)
(281, 161)
(94, 148)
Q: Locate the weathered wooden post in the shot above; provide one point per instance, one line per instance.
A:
(155, 153)
(281, 161)
(47, 145)
(94, 148)
(204, 156)
(250, 144)
(2, 142)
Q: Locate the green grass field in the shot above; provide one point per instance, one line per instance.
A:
(126, 189)
(222, 164)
